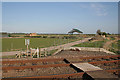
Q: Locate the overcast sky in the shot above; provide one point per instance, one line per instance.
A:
(60, 17)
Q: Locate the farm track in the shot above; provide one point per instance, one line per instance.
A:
(108, 63)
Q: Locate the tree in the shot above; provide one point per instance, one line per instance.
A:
(104, 33)
(98, 32)
(9, 35)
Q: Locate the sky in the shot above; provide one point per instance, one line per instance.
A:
(60, 17)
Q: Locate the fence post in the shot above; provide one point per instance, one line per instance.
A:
(37, 52)
(31, 53)
(44, 52)
(40, 52)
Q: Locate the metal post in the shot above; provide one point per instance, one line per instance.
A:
(37, 52)
(40, 52)
(27, 49)
(31, 53)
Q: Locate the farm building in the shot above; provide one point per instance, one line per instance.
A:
(74, 30)
(32, 34)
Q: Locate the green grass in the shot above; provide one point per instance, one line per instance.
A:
(52, 51)
(8, 57)
(98, 44)
(11, 44)
(116, 45)
(112, 38)
(49, 53)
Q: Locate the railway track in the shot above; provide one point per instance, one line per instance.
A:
(102, 60)
(54, 65)
(91, 59)
(32, 67)
(61, 75)
(74, 75)
(31, 61)
(88, 59)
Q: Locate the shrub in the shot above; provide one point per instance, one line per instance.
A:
(9, 35)
(44, 36)
(53, 37)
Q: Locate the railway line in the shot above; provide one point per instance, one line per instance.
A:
(35, 66)
(58, 67)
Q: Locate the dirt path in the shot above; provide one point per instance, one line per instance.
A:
(9, 53)
(108, 43)
(49, 48)
(66, 45)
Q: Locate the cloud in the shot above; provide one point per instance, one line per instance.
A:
(99, 9)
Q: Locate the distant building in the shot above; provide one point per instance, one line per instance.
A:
(74, 30)
(3, 34)
(32, 34)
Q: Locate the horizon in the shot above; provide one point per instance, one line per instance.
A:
(60, 17)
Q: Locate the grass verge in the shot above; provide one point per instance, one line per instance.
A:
(8, 57)
(97, 44)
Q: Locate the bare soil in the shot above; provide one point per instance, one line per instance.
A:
(39, 72)
(32, 63)
(68, 53)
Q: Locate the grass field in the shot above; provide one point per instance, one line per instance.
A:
(98, 44)
(12, 44)
(115, 47)
(8, 57)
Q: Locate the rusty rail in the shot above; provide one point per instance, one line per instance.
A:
(32, 67)
(47, 77)
(102, 62)
(98, 57)
(30, 61)
(56, 59)
(114, 70)
(58, 76)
